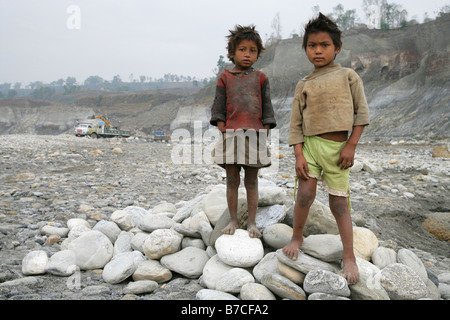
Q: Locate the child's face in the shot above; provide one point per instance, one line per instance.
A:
(246, 55)
(321, 50)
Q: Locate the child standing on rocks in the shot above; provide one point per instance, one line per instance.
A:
(243, 112)
(328, 103)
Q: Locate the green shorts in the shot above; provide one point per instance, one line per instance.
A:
(322, 156)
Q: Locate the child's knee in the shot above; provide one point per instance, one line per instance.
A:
(306, 199)
(338, 205)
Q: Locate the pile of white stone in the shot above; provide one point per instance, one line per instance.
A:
(145, 247)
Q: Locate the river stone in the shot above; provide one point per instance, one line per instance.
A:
(124, 219)
(402, 283)
(62, 263)
(239, 249)
(409, 258)
(326, 247)
(304, 262)
(209, 294)
(189, 262)
(76, 222)
(382, 257)
(152, 222)
(50, 230)
(320, 220)
(256, 291)
(123, 242)
(326, 282)
(152, 270)
(108, 228)
(268, 264)
(121, 266)
(364, 242)
(277, 235)
(212, 271)
(233, 280)
(34, 262)
(161, 242)
(92, 249)
(283, 287)
(268, 215)
(140, 287)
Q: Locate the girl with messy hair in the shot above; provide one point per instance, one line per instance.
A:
(243, 113)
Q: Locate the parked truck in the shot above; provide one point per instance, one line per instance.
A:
(97, 127)
(160, 136)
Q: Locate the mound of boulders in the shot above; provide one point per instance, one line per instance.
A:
(148, 248)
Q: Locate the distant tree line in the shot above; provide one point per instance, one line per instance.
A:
(41, 90)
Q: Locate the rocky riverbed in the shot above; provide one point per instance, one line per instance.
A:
(400, 192)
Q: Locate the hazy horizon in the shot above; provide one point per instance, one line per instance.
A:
(48, 40)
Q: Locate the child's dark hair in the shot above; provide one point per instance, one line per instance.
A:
(323, 24)
(243, 33)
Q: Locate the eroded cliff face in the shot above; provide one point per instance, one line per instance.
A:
(405, 74)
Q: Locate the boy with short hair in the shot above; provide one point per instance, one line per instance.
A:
(327, 104)
(242, 108)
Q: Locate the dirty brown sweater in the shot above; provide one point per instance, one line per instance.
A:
(330, 99)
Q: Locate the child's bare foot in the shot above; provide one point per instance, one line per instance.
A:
(350, 271)
(291, 250)
(253, 231)
(230, 228)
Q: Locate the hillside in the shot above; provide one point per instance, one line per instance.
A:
(405, 72)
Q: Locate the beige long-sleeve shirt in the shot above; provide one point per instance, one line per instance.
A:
(330, 99)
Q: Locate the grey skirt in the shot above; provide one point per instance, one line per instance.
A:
(243, 148)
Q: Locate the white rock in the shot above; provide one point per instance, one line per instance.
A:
(121, 266)
(277, 235)
(364, 242)
(233, 280)
(76, 222)
(108, 228)
(326, 247)
(268, 215)
(51, 230)
(268, 264)
(152, 270)
(410, 259)
(382, 257)
(189, 262)
(271, 195)
(402, 283)
(124, 219)
(214, 268)
(304, 263)
(62, 263)
(161, 242)
(138, 240)
(34, 262)
(256, 291)
(92, 249)
(123, 242)
(164, 207)
(209, 294)
(137, 212)
(239, 249)
(140, 287)
(326, 282)
(152, 222)
(283, 287)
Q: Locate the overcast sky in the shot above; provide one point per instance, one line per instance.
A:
(47, 40)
